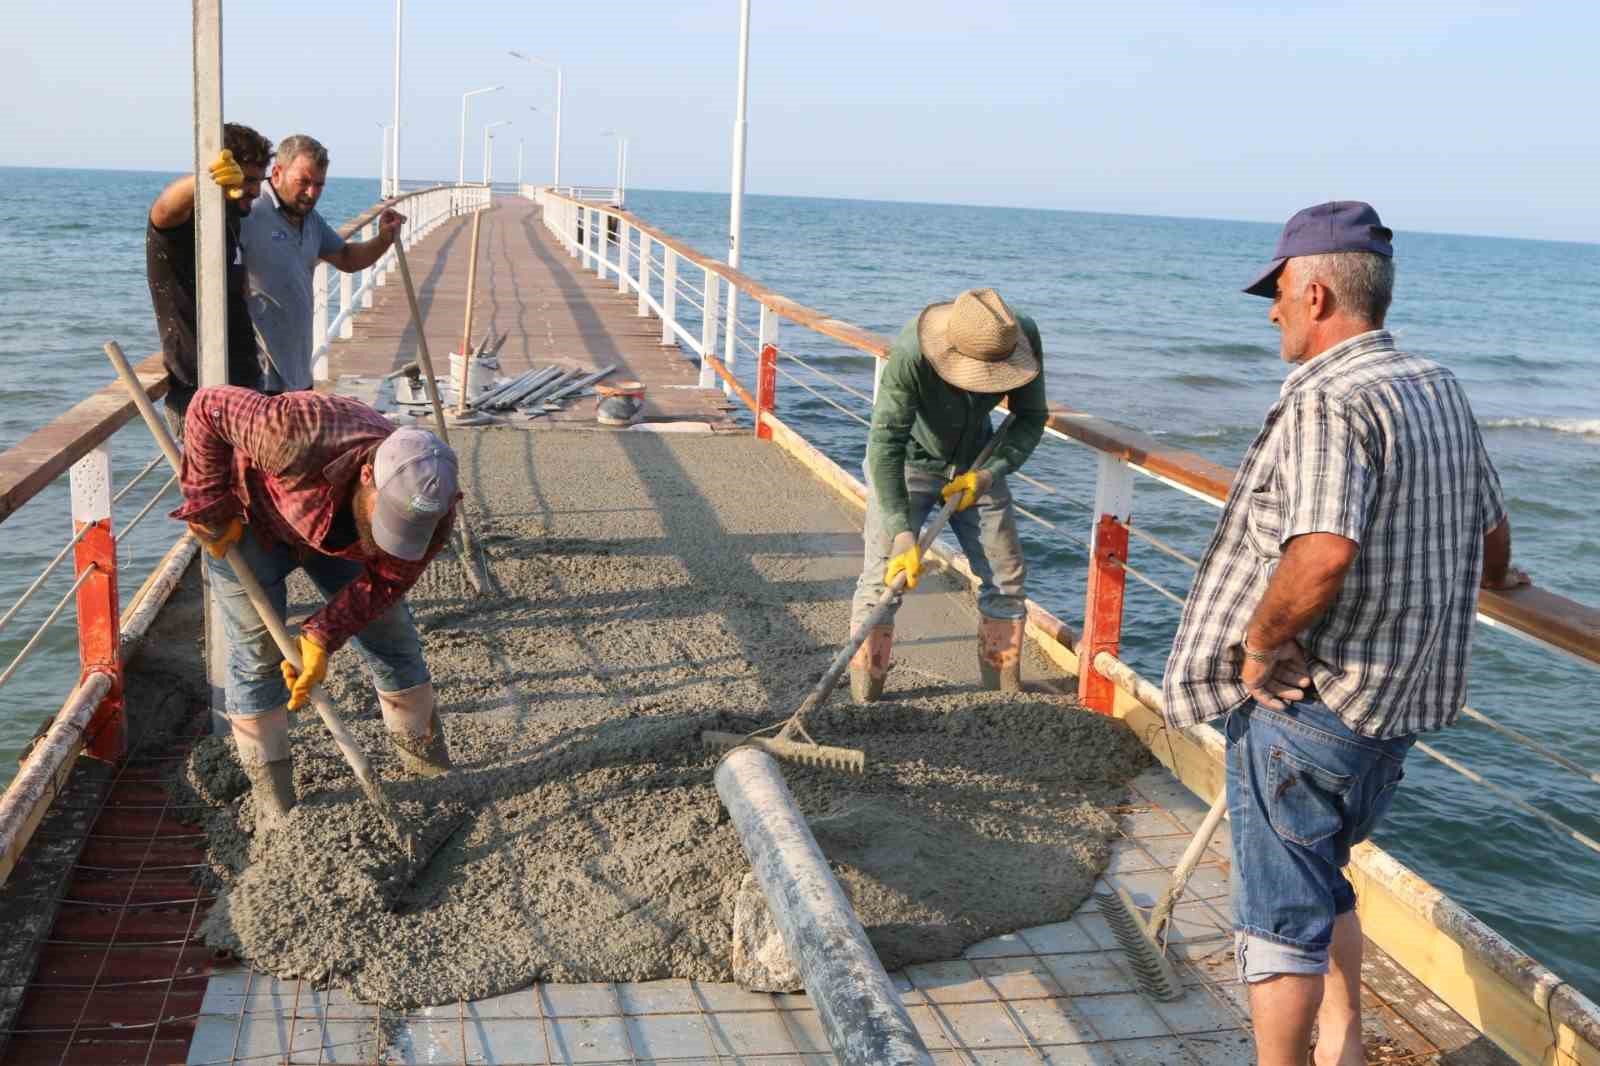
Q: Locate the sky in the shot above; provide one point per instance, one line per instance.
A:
(1466, 117)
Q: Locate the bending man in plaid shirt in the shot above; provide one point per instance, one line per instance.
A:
(326, 484)
(1331, 617)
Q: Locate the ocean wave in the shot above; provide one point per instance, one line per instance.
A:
(1203, 381)
(1224, 349)
(1587, 427)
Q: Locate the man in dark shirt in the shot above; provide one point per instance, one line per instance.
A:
(169, 268)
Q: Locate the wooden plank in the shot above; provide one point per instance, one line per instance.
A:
(46, 453)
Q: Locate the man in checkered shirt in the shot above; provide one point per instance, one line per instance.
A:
(1331, 617)
(324, 484)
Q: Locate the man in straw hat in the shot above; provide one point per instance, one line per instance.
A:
(946, 371)
(327, 485)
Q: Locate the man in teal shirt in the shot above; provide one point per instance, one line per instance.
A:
(947, 370)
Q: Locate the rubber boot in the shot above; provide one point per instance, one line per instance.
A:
(1000, 653)
(263, 745)
(415, 730)
(870, 665)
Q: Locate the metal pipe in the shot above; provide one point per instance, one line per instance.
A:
(461, 148)
(861, 1012)
(394, 169)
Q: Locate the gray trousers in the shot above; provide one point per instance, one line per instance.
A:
(987, 532)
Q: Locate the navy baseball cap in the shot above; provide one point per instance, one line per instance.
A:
(1336, 226)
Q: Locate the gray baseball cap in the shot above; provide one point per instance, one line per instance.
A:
(1336, 226)
(415, 474)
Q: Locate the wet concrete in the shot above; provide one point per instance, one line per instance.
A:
(651, 587)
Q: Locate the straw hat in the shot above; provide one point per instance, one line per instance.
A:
(974, 343)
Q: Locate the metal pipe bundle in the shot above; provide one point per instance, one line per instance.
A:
(860, 1010)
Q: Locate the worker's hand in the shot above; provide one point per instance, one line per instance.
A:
(904, 558)
(389, 224)
(1275, 677)
(969, 486)
(313, 669)
(218, 541)
(228, 174)
(1513, 579)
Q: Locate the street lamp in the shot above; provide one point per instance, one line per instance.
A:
(461, 154)
(385, 189)
(622, 161)
(394, 170)
(556, 180)
(487, 138)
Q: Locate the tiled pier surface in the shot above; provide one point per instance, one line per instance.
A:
(1059, 994)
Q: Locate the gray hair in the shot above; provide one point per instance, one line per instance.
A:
(296, 145)
(1362, 282)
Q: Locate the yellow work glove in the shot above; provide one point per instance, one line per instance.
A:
(971, 485)
(228, 174)
(904, 559)
(218, 542)
(314, 668)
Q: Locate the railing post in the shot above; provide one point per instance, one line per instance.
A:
(644, 275)
(347, 297)
(708, 328)
(622, 255)
(99, 627)
(374, 272)
(1102, 611)
(601, 225)
(766, 372)
(574, 229)
(319, 322)
(669, 296)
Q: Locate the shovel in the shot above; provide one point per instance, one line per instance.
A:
(791, 741)
(269, 615)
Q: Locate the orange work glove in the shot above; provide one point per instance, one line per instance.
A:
(313, 669)
(904, 558)
(218, 542)
(971, 485)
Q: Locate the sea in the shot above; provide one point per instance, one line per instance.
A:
(1142, 322)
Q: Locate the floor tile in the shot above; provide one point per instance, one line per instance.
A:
(1060, 937)
(1053, 1021)
(955, 981)
(1018, 978)
(751, 1033)
(731, 997)
(578, 1001)
(503, 1041)
(998, 947)
(980, 1025)
(335, 1042)
(1221, 1049)
(1122, 1016)
(1150, 822)
(667, 1036)
(1164, 1051)
(805, 1029)
(656, 997)
(587, 1039)
(523, 1003)
(1088, 975)
(1079, 1055)
(425, 1041)
(1198, 1012)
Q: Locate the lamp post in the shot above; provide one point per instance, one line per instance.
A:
(461, 153)
(556, 179)
(736, 200)
(622, 161)
(387, 186)
(488, 138)
(394, 168)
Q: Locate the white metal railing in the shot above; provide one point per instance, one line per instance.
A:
(425, 210)
(663, 273)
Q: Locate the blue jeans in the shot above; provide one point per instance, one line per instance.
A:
(1302, 790)
(389, 643)
(987, 532)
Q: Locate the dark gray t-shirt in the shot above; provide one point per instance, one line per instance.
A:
(281, 259)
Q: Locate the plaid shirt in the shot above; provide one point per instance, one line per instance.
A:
(1381, 448)
(289, 464)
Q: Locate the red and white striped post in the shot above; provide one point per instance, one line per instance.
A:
(99, 624)
(1102, 610)
(767, 372)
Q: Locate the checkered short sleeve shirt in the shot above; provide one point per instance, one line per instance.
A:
(1381, 448)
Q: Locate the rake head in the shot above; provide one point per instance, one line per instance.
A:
(1149, 962)
(827, 757)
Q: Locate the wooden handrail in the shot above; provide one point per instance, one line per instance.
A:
(47, 453)
(1567, 624)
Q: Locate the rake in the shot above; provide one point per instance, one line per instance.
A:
(1143, 940)
(789, 739)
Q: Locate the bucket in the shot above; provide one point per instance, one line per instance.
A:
(479, 377)
(620, 403)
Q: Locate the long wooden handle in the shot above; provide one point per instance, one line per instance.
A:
(424, 359)
(466, 329)
(288, 647)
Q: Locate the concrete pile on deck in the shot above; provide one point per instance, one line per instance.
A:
(651, 587)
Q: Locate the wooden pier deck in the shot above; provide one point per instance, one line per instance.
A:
(529, 288)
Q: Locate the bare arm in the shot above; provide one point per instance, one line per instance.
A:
(1498, 573)
(1305, 584)
(175, 205)
(360, 255)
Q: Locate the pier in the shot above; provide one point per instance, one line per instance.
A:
(594, 537)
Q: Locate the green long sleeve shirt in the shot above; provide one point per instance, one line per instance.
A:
(921, 421)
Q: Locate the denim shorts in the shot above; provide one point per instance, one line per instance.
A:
(1302, 790)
